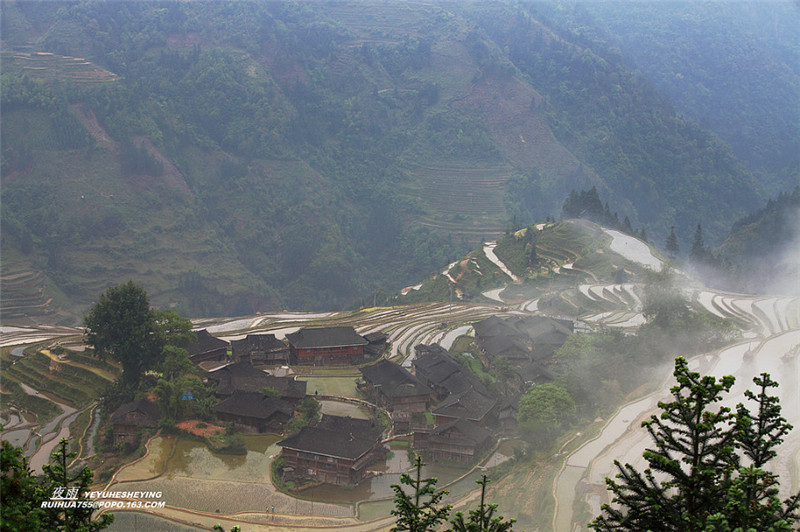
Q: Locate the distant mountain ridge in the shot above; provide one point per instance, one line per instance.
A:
(234, 157)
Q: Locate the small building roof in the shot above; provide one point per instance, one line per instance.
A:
(244, 377)
(337, 437)
(469, 404)
(350, 424)
(494, 326)
(376, 337)
(205, 343)
(394, 381)
(435, 363)
(469, 430)
(239, 376)
(536, 326)
(288, 387)
(266, 343)
(149, 410)
(506, 347)
(462, 381)
(325, 337)
(253, 405)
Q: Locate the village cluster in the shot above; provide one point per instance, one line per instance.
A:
(439, 405)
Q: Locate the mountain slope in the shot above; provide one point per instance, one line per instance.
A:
(762, 253)
(732, 66)
(235, 157)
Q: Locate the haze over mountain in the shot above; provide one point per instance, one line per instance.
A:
(241, 156)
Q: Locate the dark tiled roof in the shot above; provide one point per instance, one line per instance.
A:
(205, 343)
(539, 329)
(377, 337)
(535, 372)
(462, 381)
(243, 376)
(506, 347)
(494, 326)
(288, 387)
(435, 363)
(469, 404)
(470, 431)
(336, 436)
(323, 337)
(535, 326)
(350, 424)
(266, 343)
(553, 338)
(439, 367)
(150, 410)
(254, 405)
(238, 376)
(394, 381)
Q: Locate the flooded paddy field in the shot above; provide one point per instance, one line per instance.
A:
(193, 477)
(152, 464)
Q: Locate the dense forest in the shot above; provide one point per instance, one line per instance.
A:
(234, 157)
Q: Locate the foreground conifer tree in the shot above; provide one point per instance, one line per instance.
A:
(23, 494)
(482, 519)
(418, 511)
(705, 472)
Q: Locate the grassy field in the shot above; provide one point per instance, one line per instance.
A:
(344, 386)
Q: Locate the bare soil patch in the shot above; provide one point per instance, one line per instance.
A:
(204, 430)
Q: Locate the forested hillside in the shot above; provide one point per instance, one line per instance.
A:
(712, 60)
(762, 253)
(241, 156)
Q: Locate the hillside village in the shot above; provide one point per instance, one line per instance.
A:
(448, 414)
(319, 413)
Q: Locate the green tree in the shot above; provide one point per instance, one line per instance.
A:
(23, 493)
(482, 519)
(58, 480)
(418, 511)
(121, 325)
(664, 304)
(672, 244)
(543, 413)
(695, 481)
(176, 363)
(20, 494)
(753, 497)
(699, 252)
(173, 329)
(271, 392)
(309, 411)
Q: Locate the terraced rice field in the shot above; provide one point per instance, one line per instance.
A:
(48, 66)
(23, 295)
(773, 346)
(463, 200)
